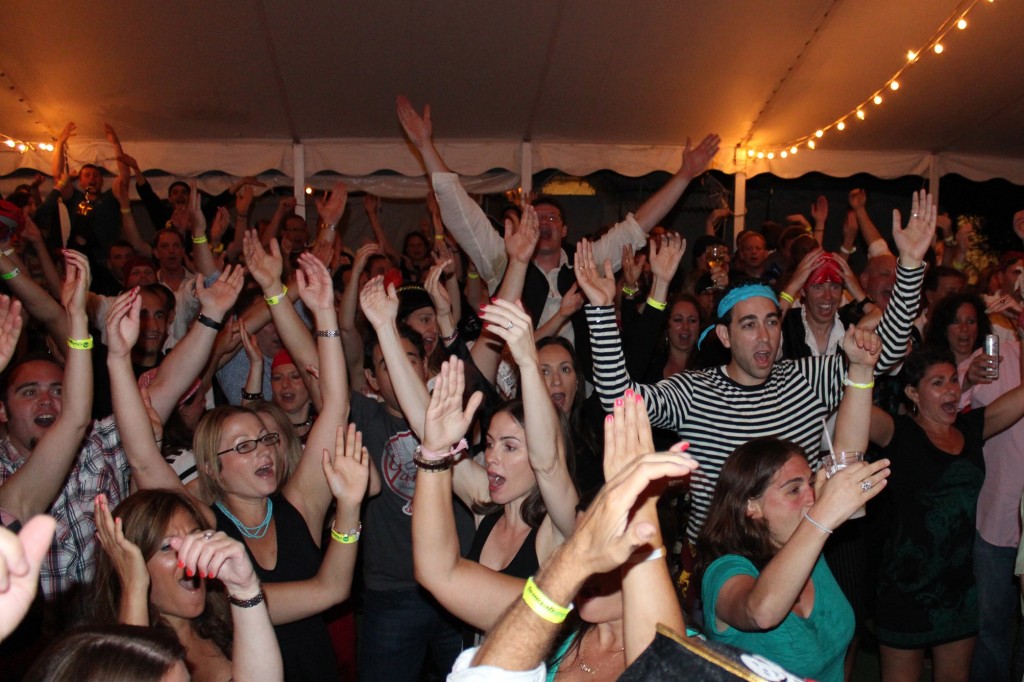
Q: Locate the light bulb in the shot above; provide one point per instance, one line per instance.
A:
(760, 155)
(911, 55)
(793, 149)
(938, 48)
(877, 99)
(21, 147)
(840, 126)
(962, 24)
(10, 143)
(895, 85)
(810, 144)
(750, 153)
(783, 153)
(309, 190)
(819, 132)
(771, 155)
(860, 114)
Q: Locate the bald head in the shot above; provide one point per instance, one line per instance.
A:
(878, 278)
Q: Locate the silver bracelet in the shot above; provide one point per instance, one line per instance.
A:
(328, 333)
(816, 524)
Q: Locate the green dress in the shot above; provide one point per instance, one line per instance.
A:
(926, 590)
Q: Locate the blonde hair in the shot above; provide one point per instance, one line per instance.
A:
(206, 442)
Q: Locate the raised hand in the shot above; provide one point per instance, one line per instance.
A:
(323, 251)
(221, 221)
(243, 200)
(845, 491)
(126, 557)
(379, 306)
(195, 211)
(631, 267)
(914, 240)
(862, 346)
(212, 554)
(858, 199)
(314, 283)
(418, 128)
(804, 268)
(10, 328)
(123, 323)
(572, 301)
(76, 282)
(599, 289)
(286, 205)
(348, 471)
(436, 289)
(21, 557)
(446, 420)
(333, 205)
(371, 204)
(70, 130)
(31, 233)
(363, 255)
(264, 267)
(665, 259)
(511, 323)
(819, 210)
(696, 161)
(217, 299)
(521, 235)
(130, 162)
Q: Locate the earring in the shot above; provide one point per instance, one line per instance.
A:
(913, 409)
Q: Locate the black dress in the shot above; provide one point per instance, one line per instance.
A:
(926, 590)
(523, 564)
(306, 648)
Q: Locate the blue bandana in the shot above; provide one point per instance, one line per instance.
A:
(736, 295)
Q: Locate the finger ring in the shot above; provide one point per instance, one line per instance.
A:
(510, 326)
(865, 486)
(207, 535)
(913, 215)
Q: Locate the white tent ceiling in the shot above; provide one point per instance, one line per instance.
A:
(195, 86)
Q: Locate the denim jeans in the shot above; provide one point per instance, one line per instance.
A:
(399, 627)
(997, 608)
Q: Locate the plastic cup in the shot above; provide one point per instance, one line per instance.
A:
(840, 461)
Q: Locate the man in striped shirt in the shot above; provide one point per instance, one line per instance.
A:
(719, 409)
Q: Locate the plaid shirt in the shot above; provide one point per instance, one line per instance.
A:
(101, 467)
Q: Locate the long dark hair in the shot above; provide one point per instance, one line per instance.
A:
(917, 364)
(113, 653)
(746, 475)
(145, 515)
(574, 425)
(533, 509)
(944, 314)
(663, 343)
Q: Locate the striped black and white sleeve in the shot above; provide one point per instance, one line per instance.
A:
(898, 318)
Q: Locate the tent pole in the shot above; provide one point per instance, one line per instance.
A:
(299, 178)
(526, 167)
(933, 178)
(739, 207)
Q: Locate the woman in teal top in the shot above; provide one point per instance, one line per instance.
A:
(765, 587)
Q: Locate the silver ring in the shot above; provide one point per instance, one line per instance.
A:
(510, 326)
(865, 486)
(915, 215)
(208, 534)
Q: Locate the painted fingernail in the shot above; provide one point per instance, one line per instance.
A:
(618, 402)
(181, 564)
(639, 398)
(202, 574)
(609, 419)
(190, 573)
(483, 306)
(629, 393)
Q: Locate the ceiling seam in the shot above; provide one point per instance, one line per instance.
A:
(275, 66)
(23, 98)
(797, 61)
(545, 70)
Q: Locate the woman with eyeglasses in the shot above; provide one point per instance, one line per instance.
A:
(280, 525)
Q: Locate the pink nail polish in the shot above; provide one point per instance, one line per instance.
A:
(629, 393)
(639, 399)
(618, 402)
(190, 573)
(181, 564)
(609, 419)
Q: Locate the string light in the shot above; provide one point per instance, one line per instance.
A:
(22, 146)
(309, 190)
(957, 20)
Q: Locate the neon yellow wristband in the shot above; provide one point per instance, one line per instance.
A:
(853, 384)
(629, 291)
(473, 275)
(542, 605)
(274, 300)
(439, 237)
(786, 297)
(80, 344)
(200, 240)
(657, 305)
(349, 538)
(125, 211)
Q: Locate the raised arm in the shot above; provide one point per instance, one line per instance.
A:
(306, 489)
(665, 261)
(351, 339)
(819, 211)
(34, 237)
(858, 202)
(21, 558)
(285, 205)
(128, 563)
(1007, 409)
(862, 348)
(201, 253)
(34, 487)
(544, 437)
(648, 593)
(129, 229)
(695, 161)
(371, 204)
(34, 300)
(457, 583)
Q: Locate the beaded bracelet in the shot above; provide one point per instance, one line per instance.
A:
(657, 305)
(543, 605)
(80, 344)
(328, 333)
(274, 300)
(349, 537)
(448, 339)
(247, 603)
(251, 396)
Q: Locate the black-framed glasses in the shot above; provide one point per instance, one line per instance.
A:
(247, 446)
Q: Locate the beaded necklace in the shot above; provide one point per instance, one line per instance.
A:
(253, 532)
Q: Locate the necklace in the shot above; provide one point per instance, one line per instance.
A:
(254, 532)
(309, 419)
(592, 671)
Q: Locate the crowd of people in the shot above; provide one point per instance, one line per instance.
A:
(215, 440)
